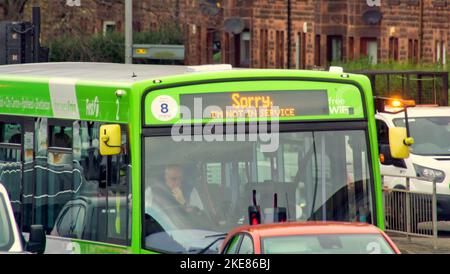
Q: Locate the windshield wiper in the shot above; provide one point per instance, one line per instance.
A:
(216, 235)
(220, 237)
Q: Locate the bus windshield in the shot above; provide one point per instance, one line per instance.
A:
(196, 190)
(425, 143)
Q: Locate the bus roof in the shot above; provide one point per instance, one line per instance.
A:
(106, 72)
(128, 74)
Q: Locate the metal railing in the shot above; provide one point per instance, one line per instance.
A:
(425, 87)
(411, 213)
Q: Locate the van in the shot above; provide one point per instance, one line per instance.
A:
(430, 154)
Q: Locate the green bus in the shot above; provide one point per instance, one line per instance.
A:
(114, 158)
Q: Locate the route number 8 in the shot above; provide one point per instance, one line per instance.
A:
(164, 108)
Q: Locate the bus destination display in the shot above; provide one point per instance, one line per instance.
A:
(267, 104)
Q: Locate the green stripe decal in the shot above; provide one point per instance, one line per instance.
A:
(64, 98)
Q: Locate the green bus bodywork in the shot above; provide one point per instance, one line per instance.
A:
(88, 92)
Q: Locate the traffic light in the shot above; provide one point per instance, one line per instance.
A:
(16, 42)
(254, 214)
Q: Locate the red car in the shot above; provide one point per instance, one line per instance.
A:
(309, 238)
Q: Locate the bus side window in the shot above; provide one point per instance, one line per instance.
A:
(54, 170)
(11, 162)
(119, 202)
(102, 185)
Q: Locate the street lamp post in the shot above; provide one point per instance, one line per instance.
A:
(128, 31)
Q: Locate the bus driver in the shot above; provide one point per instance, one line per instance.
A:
(174, 191)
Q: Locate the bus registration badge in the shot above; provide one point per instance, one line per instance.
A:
(164, 108)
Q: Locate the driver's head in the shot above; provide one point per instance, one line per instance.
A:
(173, 175)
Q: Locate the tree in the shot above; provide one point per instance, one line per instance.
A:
(12, 9)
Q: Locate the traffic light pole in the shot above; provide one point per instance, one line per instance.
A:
(37, 33)
(128, 31)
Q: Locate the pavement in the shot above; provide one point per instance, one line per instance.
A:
(416, 245)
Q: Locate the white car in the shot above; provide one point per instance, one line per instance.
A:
(430, 154)
(11, 241)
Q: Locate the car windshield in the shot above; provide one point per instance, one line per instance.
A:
(431, 135)
(6, 236)
(195, 190)
(327, 244)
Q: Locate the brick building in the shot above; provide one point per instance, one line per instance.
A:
(309, 33)
(100, 16)
(271, 33)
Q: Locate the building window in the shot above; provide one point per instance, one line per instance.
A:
(217, 48)
(317, 57)
(393, 48)
(301, 50)
(200, 45)
(264, 45)
(109, 27)
(244, 49)
(334, 48)
(351, 48)
(440, 52)
(369, 49)
(413, 51)
(279, 40)
(210, 45)
(226, 48)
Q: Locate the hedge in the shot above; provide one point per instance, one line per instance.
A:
(105, 48)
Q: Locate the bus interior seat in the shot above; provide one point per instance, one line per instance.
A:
(16, 139)
(219, 197)
(61, 139)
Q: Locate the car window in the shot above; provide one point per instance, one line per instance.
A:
(383, 132)
(233, 245)
(246, 245)
(327, 244)
(72, 222)
(6, 235)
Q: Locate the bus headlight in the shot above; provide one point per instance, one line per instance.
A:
(429, 173)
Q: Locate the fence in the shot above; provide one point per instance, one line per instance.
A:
(409, 212)
(425, 87)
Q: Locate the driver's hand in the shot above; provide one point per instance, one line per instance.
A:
(178, 194)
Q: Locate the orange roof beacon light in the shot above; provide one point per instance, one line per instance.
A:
(400, 103)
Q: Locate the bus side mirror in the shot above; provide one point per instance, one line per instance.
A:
(399, 143)
(110, 140)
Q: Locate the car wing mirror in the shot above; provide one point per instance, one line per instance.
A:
(38, 240)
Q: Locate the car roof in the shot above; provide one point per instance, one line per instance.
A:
(420, 111)
(309, 228)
